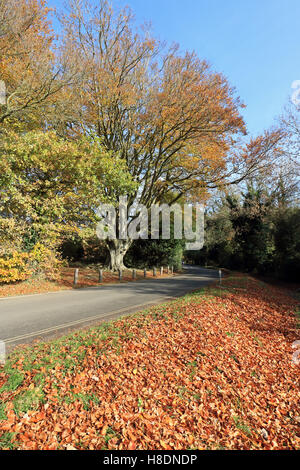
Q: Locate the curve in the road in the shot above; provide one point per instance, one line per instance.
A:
(25, 318)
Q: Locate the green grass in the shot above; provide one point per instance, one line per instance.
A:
(28, 400)
(15, 379)
(2, 412)
(242, 426)
(86, 399)
(6, 441)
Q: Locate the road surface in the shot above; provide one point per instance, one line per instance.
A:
(26, 318)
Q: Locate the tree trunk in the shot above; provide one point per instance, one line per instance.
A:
(117, 251)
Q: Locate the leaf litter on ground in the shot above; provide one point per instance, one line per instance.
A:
(211, 370)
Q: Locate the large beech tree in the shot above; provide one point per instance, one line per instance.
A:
(168, 114)
(173, 121)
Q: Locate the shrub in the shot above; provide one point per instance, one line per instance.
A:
(14, 268)
(44, 261)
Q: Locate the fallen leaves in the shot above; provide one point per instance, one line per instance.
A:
(212, 370)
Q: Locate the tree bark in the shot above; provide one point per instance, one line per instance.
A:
(117, 251)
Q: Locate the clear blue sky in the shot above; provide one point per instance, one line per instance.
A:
(255, 43)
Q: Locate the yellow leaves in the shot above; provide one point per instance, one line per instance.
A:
(58, 428)
(164, 445)
(131, 445)
(70, 447)
(169, 421)
(104, 430)
(14, 268)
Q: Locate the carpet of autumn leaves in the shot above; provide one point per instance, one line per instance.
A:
(211, 370)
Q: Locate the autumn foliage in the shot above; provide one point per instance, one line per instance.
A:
(14, 268)
(210, 371)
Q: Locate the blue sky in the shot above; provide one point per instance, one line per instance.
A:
(255, 43)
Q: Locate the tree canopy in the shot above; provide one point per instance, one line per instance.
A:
(103, 109)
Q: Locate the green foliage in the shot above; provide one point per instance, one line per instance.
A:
(253, 232)
(287, 243)
(50, 189)
(51, 182)
(155, 253)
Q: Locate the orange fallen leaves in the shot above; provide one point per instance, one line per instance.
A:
(210, 371)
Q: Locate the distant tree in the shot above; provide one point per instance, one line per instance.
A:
(287, 243)
(252, 226)
(290, 122)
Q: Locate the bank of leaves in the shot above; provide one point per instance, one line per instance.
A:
(212, 370)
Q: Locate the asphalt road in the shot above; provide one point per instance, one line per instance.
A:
(26, 318)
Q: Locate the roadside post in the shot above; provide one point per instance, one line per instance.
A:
(145, 272)
(161, 270)
(154, 272)
(134, 274)
(100, 275)
(120, 275)
(76, 274)
(220, 277)
(2, 353)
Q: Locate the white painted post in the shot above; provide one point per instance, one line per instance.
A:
(2, 353)
(154, 272)
(120, 275)
(76, 274)
(172, 269)
(161, 270)
(100, 275)
(145, 272)
(220, 276)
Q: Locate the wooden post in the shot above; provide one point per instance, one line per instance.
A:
(145, 272)
(161, 270)
(120, 275)
(134, 274)
(76, 273)
(100, 275)
(154, 272)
